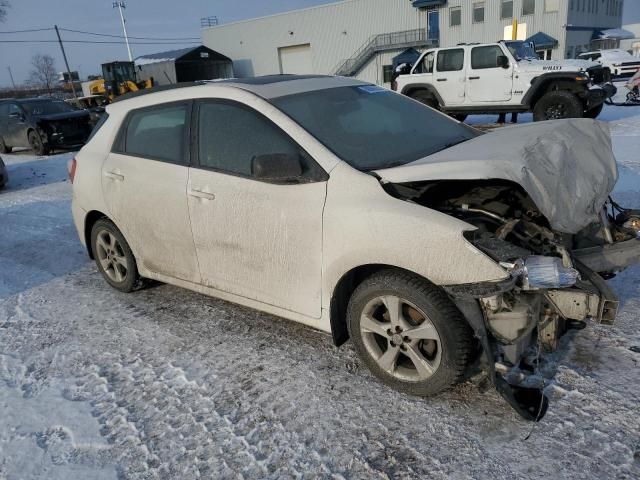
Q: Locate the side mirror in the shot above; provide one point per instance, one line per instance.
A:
(277, 167)
(503, 62)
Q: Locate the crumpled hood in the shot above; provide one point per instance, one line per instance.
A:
(566, 166)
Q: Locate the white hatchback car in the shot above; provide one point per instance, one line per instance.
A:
(438, 250)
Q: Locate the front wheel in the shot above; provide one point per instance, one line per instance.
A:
(113, 256)
(556, 105)
(36, 144)
(409, 333)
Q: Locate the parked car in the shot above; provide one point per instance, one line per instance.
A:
(4, 178)
(620, 62)
(41, 124)
(506, 76)
(94, 104)
(362, 213)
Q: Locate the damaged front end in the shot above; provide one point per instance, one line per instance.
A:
(555, 279)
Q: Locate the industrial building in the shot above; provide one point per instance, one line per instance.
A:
(361, 38)
(185, 65)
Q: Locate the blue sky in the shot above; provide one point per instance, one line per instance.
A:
(145, 18)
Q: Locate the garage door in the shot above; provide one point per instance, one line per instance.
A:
(296, 59)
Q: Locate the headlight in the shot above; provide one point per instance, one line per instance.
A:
(548, 272)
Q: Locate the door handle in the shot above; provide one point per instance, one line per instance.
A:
(114, 176)
(474, 78)
(441, 79)
(201, 194)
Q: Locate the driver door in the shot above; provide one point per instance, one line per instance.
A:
(487, 81)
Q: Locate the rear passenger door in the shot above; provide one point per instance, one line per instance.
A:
(144, 181)
(488, 82)
(450, 76)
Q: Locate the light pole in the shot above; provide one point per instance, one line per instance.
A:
(121, 6)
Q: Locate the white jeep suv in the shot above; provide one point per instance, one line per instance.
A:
(506, 77)
(362, 213)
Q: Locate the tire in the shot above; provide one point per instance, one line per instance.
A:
(461, 117)
(36, 144)
(432, 350)
(4, 148)
(426, 98)
(594, 112)
(113, 257)
(556, 105)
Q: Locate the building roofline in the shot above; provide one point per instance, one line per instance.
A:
(297, 10)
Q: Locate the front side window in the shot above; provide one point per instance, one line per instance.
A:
(47, 107)
(455, 16)
(450, 60)
(372, 128)
(485, 57)
(158, 133)
(426, 65)
(478, 12)
(528, 7)
(231, 136)
(506, 9)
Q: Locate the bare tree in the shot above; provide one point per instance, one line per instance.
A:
(44, 71)
(4, 5)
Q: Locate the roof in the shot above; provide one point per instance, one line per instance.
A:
(542, 40)
(173, 55)
(267, 87)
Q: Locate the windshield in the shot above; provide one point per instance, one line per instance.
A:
(47, 107)
(521, 51)
(372, 128)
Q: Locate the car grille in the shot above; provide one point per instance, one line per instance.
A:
(73, 130)
(630, 64)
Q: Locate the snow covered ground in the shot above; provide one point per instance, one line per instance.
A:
(165, 383)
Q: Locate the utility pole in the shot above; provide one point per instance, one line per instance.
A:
(66, 62)
(12, 81)
(121, 6)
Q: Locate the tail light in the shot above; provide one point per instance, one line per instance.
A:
(73, 164)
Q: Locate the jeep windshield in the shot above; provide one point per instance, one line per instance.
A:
(521, 51)
(372, 128)
(47, 107)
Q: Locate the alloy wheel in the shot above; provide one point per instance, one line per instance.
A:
(111, 256)
(401, 338)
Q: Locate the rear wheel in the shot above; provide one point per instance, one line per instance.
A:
(594, 112)
(556, 105)
(4, 148)
(113, 256)
(36, 143)
(409, 333)
(425, 97)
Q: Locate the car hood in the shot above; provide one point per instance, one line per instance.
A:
(62, 116)
(556, 65)
(566, 166)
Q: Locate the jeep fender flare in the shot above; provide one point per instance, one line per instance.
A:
(409, 90)
(541, 84)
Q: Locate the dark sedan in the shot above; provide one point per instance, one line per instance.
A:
(42, 124)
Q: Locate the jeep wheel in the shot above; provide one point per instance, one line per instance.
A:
(425, 97)
(409, 333)
(36, 144)
(557, 105)
(4, 148)
(594, 112)
(461, 117)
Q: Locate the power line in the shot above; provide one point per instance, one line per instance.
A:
(120, 36)
(29, 31)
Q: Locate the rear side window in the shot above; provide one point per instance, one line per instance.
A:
(98, 126)
(450, 60)
(232, 135)
(158, 133)
(485, 57)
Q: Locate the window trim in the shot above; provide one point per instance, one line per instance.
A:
(502, 2)
(317, 175)
(119, 145)
(474, 7)
(528, 14)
